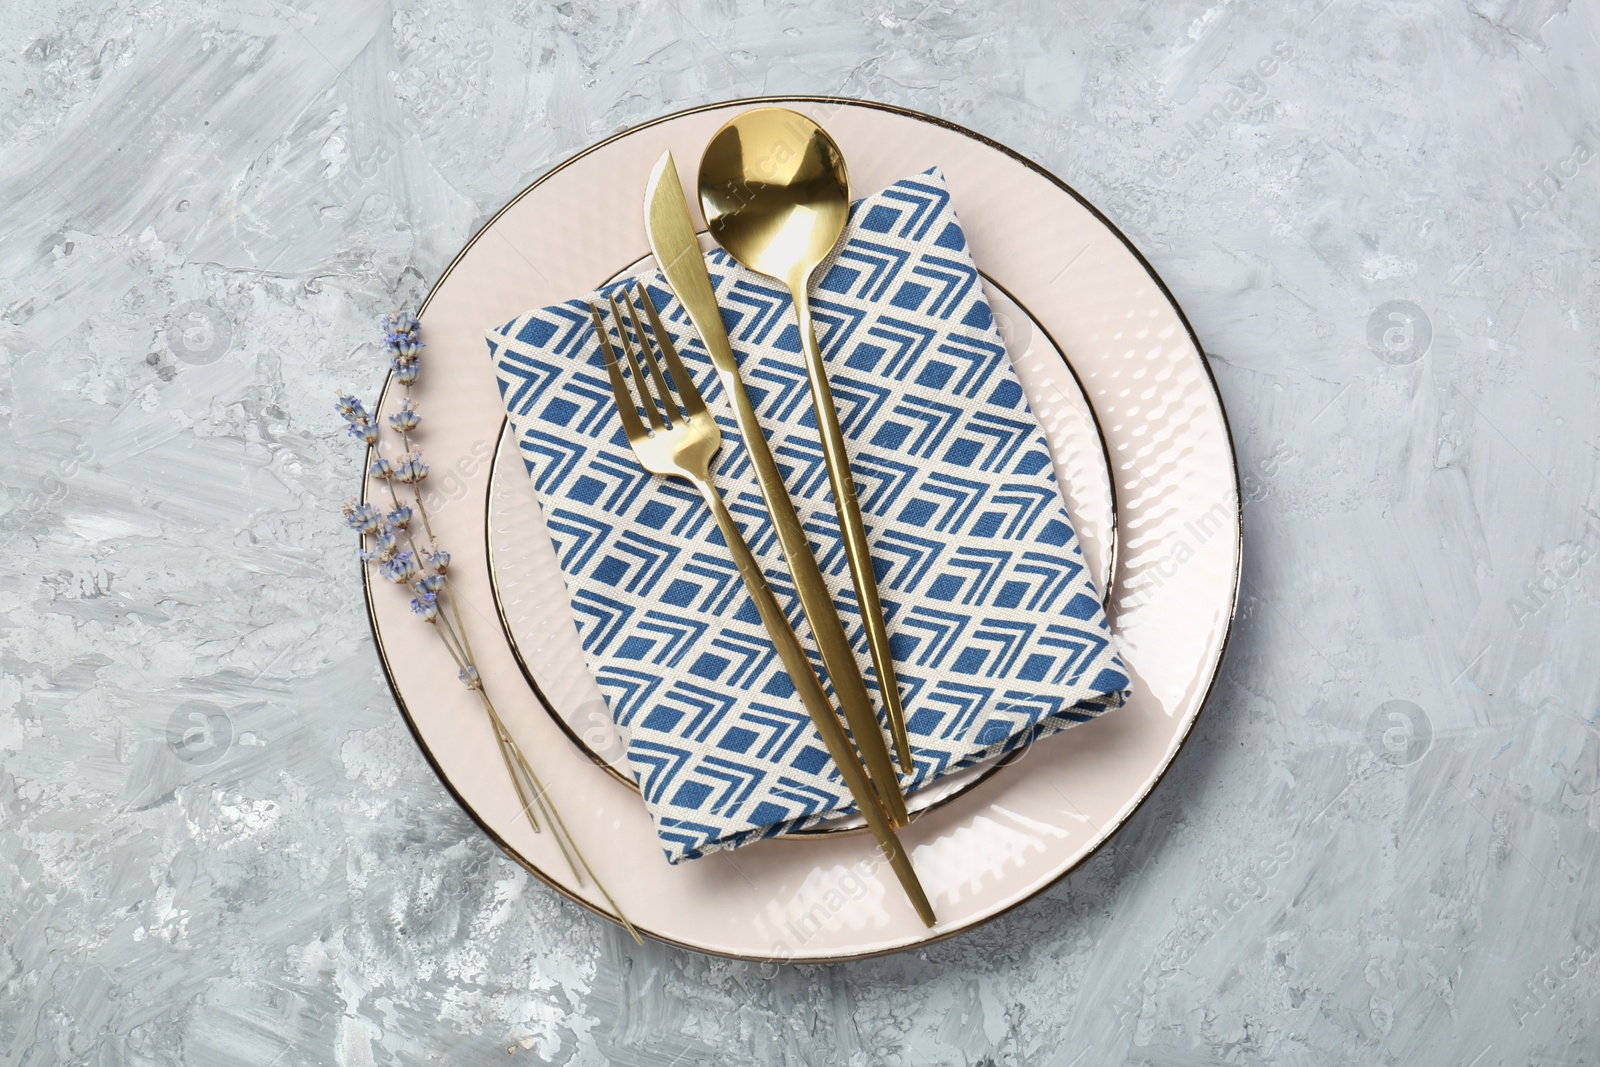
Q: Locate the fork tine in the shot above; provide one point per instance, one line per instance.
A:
(688, 395)
(648, 356)
(627, 407)
(643, 386)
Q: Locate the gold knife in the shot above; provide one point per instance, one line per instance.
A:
(677, 251)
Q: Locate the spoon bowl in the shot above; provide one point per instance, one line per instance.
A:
(775, 192)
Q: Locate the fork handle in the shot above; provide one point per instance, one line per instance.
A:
(805, 680)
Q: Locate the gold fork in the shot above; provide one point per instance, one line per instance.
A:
(681, 440)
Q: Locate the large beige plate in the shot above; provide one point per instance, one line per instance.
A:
(1176, 578)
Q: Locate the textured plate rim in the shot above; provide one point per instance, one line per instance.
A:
(1232, 603)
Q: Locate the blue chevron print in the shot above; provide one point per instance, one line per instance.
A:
(997, 631)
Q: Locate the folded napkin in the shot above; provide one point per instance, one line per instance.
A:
(997, 630)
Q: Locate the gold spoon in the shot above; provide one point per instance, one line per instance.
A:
(776, 195)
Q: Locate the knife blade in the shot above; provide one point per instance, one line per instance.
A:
(677, 251)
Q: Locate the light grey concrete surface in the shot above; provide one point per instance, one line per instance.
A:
(219, 845)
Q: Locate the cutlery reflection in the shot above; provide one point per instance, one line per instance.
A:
(681, 440)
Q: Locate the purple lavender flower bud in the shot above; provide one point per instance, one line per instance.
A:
(361, 517)
(381, 469)
(406, 419)
(411, 469)
(438, 559)
(365, 431)
(384, 545)
(431, 584)
(469, 677)
(406, 371)
(400, 517)
(402, 568)
(426, 606)
(400, 321)
(351, 408)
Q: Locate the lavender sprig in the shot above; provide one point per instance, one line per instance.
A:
(389, 547)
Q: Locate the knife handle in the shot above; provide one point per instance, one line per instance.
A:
(816, 600)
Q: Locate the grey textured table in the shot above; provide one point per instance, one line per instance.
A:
(1380, 845)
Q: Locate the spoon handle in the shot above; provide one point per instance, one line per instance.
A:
(854, 532)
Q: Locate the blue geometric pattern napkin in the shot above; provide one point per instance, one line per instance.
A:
(997, 630)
